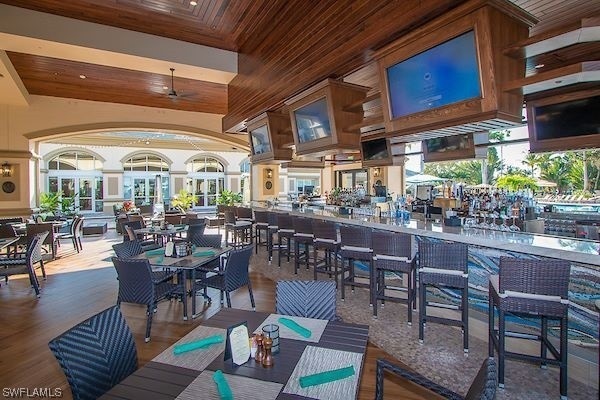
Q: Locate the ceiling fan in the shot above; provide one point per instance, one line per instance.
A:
(172, 93)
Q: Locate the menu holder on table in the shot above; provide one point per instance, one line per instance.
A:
(237, 346)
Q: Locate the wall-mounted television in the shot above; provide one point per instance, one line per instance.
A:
(450, 73)
(261, 143)
(445, 74)
(458, 147)
(322, 117)
(312, 121)
(270, 137)
(564, 122)
(376, 152)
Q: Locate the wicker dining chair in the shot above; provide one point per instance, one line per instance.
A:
(18, 264)
(310, 299)
(531, 289)
(132, 249)
(96, 354)
(326, 240)
(137, 285)
(483, 386)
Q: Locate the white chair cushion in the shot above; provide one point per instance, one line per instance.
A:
(355, 248)
(390, 258)
(443, 271)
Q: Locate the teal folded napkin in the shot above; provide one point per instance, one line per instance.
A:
(203, 253)
(326, 376)
(197, 344)
(155, 252)
(223, 388)
(293, 325)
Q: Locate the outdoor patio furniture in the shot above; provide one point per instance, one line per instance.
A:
(309, 299)
(25, 264)
(355, 245)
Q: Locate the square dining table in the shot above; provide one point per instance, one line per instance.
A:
(190, 266)
(189, 375)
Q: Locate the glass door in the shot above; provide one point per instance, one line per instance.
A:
(85, 195)
(207, 190)
(211, 193)
(140, 190)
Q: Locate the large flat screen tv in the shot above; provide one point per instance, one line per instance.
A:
(566, 122)
(376, 152)
(445, 74)
(261, 142)
(447, 148)
(312, 121)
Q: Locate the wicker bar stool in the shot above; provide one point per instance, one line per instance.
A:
(444, 265)
(272, 229)
(535, 289)
(262, 224)
(356, 245)
(241, 230)
(392, 252)
(285, 234)
(326, 239)
(303, 236)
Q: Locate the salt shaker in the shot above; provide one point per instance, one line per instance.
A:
(260, 351)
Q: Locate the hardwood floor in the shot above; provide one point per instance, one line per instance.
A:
(80, 285)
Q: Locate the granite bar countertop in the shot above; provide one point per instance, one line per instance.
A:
(575, 250)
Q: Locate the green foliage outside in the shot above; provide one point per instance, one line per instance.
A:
(56, 203)
(183, 200)
(516, 182)
(229, 198)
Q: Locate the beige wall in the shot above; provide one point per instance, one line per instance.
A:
(259, 175)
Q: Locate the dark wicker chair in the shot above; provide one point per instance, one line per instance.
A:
(136, 285)
(444, 265)
(195, 221)
(75, 233)
(174, 219)
(50, 240)
(261, 224)
(96, 354)
(533, 289)
(272, 229)
(233, 276)
(133, 248)
(392, 253)
(355, 245)
(244, 214)
(25, 263)
(326, 240)
(241, 230)
(8, 231)
(310, 299)
(285, 234)
(303, 235)
(195, 233)
(482, 388)
(129, 229)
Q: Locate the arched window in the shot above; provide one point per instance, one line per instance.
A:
(142, 173)
(206, 179)
(205, 164)
(77, 175)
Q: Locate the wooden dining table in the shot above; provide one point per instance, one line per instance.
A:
(188, 376)
(191, 266)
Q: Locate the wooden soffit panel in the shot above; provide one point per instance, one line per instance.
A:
(309, 41)
(61, 78)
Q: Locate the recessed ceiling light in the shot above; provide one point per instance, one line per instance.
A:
(165, 87)
(147, 142)
(82, 76)
(193, 3)
(540, 66)
(558, 81)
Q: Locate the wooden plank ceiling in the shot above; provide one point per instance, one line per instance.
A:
(284, 46)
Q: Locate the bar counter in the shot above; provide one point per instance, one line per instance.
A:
(576, 250)
(485, 249)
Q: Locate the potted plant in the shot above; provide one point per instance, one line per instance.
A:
(183, 200)
(49, 204)
(229, 198)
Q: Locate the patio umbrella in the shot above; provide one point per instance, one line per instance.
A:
(424, 178)
(158, 207)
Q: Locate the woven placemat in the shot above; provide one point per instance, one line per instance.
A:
(243, 388)
(195, 359)
(316, 326)
(318, 359)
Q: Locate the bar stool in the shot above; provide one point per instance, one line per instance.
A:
(303, 236)
(444, 265)
(356, 245)
(262, 224)
(392, 252)
(285, 233)
(536, 289)
(272, 229)
(241, 230)
(326, 239)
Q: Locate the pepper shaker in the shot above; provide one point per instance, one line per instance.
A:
(268, 357)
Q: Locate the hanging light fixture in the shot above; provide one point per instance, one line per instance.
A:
(6, 169)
